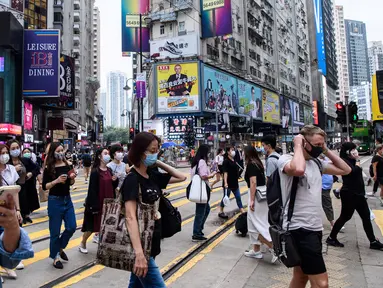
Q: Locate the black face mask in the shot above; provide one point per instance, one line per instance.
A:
(315, 150)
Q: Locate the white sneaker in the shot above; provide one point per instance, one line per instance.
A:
(95, 239)
(2, 280)
(20, 266)
(11, 274)
(252, 254)
(274, 258)
(342, 230)
(82, 249)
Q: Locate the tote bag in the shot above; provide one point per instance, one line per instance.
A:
(198, 191)
(115, 249)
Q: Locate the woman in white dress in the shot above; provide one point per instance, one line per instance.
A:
(257, 216)
(217, 166)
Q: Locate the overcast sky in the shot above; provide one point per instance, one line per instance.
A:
(368, 11)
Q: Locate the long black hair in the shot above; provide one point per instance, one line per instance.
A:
(219, 151)
(201, 154)
(51, 160)
(251, 156)
(97, 160)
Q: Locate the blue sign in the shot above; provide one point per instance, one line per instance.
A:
(321, 53)
(41, 63)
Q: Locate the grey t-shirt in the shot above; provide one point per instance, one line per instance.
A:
(118, 170)
(308, 202)
(271, 163)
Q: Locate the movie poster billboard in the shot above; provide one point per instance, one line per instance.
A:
(177, 88)
(216, 18)
(250, 100)
(271, 108)
(131, 27)
(298, 114)
(41, 63)
(308, 117)
(220, 91)
(286, 112)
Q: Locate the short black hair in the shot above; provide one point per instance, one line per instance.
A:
(86, 150)
(115, 148)
(379, 140)
(270, 140)
(345, 149)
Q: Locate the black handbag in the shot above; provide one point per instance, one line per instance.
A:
(170, 218)
(284, 244)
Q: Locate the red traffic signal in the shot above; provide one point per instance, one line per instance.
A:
(339, 106)
(131, 130)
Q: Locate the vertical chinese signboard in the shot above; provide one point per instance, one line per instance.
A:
(141, 85)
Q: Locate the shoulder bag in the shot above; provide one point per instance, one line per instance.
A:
(170, 217)
(198, 191)
(260, 193)
(115, 249)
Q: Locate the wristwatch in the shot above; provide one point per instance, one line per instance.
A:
(325, 151)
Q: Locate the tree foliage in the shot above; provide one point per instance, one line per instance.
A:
(116, 134)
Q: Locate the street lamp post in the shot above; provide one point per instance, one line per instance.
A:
(127, 113)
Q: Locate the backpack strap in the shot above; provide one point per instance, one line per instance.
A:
(293, 194)
(273, 156)
(319, 163)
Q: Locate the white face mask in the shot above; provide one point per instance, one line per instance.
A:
(4, 158)
(232, 154)
(119, 156)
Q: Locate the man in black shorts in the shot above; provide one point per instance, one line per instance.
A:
(306, 224)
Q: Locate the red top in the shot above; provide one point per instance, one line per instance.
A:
(106, 191)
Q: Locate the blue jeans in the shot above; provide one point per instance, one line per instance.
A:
(201, 213)
(237, 195)
(60, 208)
(153, 278)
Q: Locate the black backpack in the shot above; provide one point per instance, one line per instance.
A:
(241, 224)
(274, 195)
(170, 218)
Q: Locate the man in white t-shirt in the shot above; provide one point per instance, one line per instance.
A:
(306, 223)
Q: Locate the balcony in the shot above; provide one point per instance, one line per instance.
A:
(76, 40)
(76, 52)
(77, 63)
(76, 28)
(179, 5)
(76, 16)
(77, 4)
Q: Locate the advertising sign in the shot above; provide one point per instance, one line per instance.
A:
(17, 5)
(67, 85)
(28, 138)
(216, 18)
(41, 63)
(220, 91)
(1, 64)
(141, 85)
(10, 129)
(250, 100)
(315, 113)
(271, 108)
(178, 125)
(100, 123)
(286, 112)
(298, 114)
(177, 88)
(377, 96)
(308, 115)
(28, 116)
(180, 46)
(321, 53)
(130, 20)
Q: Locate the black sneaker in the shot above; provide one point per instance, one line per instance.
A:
(336, 194)
(223, 215)
(376, 245)
(198, 238)
(29, 220)
(63, 256)
(58, 264)
(334, 242)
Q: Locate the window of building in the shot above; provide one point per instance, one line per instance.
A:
(181, 26)
(58, 17)
(162, 29)
(171, 26)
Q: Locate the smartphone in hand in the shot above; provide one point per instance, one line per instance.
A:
(5, 190)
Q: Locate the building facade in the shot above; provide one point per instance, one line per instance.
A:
(361, 96)
(96, 48)
(116, 100)
(341, 54)
(358, 63)
(375, 57)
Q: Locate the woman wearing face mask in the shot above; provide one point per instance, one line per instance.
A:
(117, 166)
(26, 170)
(230, 179)
(58, 176)
(353, 198)
(102, 184)
(218, 161)
(143, 154)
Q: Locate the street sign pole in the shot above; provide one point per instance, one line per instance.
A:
(347, 119)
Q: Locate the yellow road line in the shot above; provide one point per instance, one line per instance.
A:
(379, 219)
(45, 218)
(77, 278)
(42, 233)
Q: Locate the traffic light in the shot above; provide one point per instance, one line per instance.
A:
(340, 112)
(353, 112)
(131, 133)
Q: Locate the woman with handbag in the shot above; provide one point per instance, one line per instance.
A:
(102, 184)
(202, 210)
(218, 161)
(257, 216)
(143, 187)
(58, 176)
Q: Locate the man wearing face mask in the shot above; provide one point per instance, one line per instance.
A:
(353, 198)
(269, 143)
(306, 223)
(117, 166)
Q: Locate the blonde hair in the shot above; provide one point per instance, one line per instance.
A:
(378, 147)
(311, 130)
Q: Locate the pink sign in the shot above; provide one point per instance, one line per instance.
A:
(28, 116)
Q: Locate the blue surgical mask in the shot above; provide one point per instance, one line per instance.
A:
(106, 158)
(15, 153)
(150, 159)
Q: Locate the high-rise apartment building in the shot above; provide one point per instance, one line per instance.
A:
(96, 43)
(35, 13)
(375, 57)
(341, 54)
(358, 64)
(116, 100)
(360, 94)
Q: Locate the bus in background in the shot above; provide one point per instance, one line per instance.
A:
(363, 136)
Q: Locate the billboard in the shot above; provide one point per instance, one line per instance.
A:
(177, 88)
(41, 63)
(286, 112)
(130, 22)
(28, 116)
(315, 113)
(250, 100)
(220, 91)
(10, 129)
(140, 85)
(67, 85)
(216, 18)
(321, 53)
(308, 116)
(271, 108)
(298, 114)
(377, 97)
(180, 46)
